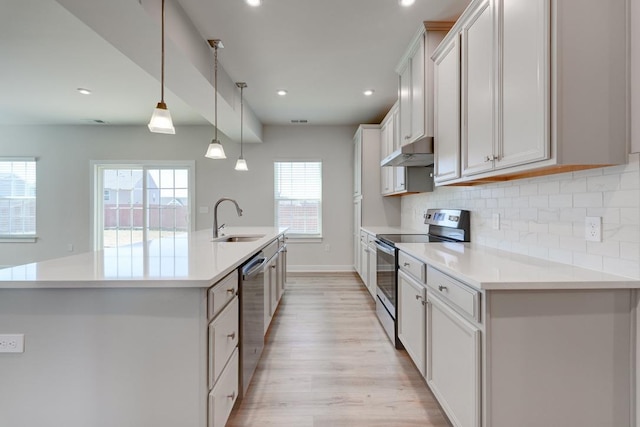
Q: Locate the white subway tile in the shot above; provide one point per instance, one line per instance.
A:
(572, 214)
(485, 193)
(608, 248)
(549, 240)
(587, 173)
(539, 201)
(529, 189)
(520, 248)
(549, 187)
(604, 183)
(629, 181)
(560, 255)
(505, 202)
(560, 201)
(590, 261)
(530, 214)
(539, 252)
(492, 203)
(561, 229)
(621, 233)
(630, 251)
(587, 200)
(548, 215)
(520, 224)
(497, 193)
(573, 185)
(621, 267)
(622, 198)
(573, 244)
(529, 238)
(629, 216)
(609, 215)
(536, 227)
(513, 191)
(521, 202)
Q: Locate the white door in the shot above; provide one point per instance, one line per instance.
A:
(418, 92)
(525, 76)
(478, 77)
(453, 363)
(447, 113)
(411, 318)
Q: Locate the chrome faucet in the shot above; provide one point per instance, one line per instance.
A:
(215, 215)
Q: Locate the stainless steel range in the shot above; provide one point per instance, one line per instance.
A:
(445, 225)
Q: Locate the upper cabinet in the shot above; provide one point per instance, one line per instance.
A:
(416, 83)
(542, 89)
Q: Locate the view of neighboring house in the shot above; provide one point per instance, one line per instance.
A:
(17, 205)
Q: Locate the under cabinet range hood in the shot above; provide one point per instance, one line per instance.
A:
(418, 153)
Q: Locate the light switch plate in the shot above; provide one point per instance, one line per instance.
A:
(496, 221)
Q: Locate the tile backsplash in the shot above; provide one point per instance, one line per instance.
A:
(544, 217)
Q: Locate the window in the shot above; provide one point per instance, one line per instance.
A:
(298, 198)
(18, 199)
(141, 202)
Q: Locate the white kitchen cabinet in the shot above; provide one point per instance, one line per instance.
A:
(416, 83)
(364, 260)
(412, 297)
(371, 275)
(357, 163)
(534, 99)
(224, 394)
(386, 148)
(270, 290)
(357, 222)
(447, 111)
(453, 363)
(478, 75)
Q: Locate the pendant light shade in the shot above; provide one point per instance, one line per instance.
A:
(241, 164)
(215, 150)
(161, 118)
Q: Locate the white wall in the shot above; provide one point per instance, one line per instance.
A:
(544, 217)
(63, 188)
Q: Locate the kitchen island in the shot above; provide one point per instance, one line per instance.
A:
(120, 337)
(509, 340)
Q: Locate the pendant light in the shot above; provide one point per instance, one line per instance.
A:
(241, 164)
(161, 118)
(215, 150)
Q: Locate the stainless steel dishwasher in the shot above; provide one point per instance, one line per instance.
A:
(251, 317)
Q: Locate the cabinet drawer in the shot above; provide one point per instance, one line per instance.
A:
(412, 266)
(223, 339)
(455, 292)
(224, 394)
(364, 236)
(221, 293)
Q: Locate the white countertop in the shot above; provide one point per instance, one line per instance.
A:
(492, 269)
(190, 260)
(381, 229)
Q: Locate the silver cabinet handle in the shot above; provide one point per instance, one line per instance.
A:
(406, 264)
(424, 303)
(442, 288)
(418, 297)
(407, 137)
(231, 291)
(490, 158)
(232, 395)
(232, 335)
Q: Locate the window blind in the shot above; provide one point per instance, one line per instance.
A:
(298, 198)
(17, 198)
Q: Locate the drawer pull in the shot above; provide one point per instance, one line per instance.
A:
(231, 291)
(442, 288)
(418, 297)
(424, 302)
(406, 264)
(232, 395)
(232, 335)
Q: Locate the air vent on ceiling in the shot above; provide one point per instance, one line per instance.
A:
(299, 121)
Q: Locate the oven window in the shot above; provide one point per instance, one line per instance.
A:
(386, 278)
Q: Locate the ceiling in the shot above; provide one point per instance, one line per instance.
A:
(324, 53)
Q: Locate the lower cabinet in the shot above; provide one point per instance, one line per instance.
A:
(371, 268)
(274, 279)
(411, 318)
(364, 261)
(223, 396)
(453, 362)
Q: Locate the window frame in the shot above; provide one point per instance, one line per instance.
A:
(30, 238)
(97, 187)
(300, 237)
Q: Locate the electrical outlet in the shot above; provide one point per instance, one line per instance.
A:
(12, 343)
(593, 228)
(496, 221)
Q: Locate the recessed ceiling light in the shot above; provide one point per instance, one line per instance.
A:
(282, 92)
(254, 3)
(406, 3)
(84, 91)
(368, 92)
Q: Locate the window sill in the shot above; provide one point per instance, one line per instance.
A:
(13, 239)
(302, 239)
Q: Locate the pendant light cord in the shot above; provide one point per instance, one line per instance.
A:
(241, 118)
(215, 83)
(162, 60)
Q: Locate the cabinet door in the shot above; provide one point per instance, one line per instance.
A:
(400, 179)
(447, 112)
(386, 146)
(405, 104)
(411, 318)
(478, 77)
(225, 393)
(364, 259)
(372, 263)
(418, 92)
(273, 286)
(453, 363)
(525, 76)
(396, 130)
(357, 222)
(269, 292)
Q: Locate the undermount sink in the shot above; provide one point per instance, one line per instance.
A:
(238, 238)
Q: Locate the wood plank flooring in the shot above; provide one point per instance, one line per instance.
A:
(327, 362)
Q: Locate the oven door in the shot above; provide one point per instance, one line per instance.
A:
(386, 276)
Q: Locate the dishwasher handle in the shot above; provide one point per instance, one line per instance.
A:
(253, 267)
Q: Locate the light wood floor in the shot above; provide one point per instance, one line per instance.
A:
(328, 362)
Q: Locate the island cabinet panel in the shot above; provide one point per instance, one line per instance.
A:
(411, 318)
(223, 340)
(559, 358)
(224, 394)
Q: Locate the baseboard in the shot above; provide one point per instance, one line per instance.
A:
(320, 268)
